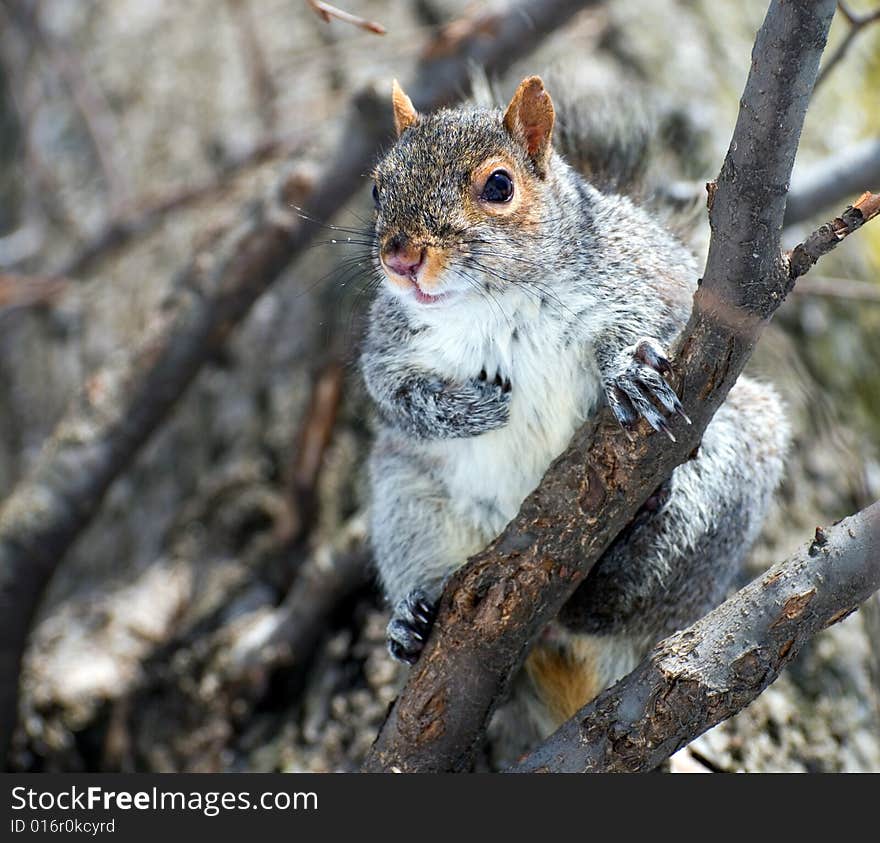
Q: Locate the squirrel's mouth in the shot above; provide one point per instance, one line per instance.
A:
(426, 298)
(412, 274)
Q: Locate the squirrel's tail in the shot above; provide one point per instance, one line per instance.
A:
(651, 153)
(608, 140)
(610, 145)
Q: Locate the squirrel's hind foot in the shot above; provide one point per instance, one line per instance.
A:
(631, 393)
(410, 623)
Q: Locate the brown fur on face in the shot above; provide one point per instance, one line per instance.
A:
(522, 210)
(436, 260)
(430, 183)
(481, 176)
(523, 207)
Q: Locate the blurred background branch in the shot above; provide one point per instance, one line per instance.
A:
(123, 403)
(857, 23)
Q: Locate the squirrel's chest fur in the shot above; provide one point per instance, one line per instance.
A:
(554, 387)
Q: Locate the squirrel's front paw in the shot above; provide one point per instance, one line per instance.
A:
(639, 380)
(492, 409)
(410, 623)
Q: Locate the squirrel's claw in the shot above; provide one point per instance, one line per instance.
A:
(622, 407)
(410, 624)
(632, 393)
(498, 381)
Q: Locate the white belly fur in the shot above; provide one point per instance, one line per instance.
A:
(554, 390)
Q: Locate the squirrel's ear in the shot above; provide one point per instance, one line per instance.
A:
(405, 114)
(529, 119)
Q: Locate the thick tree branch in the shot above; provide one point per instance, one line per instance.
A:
(124, 403)
(494, 607)
(704, 674)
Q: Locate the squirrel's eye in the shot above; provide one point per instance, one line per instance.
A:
(375, 194)
(499, 187)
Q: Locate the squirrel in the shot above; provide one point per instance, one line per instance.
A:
(517, 299)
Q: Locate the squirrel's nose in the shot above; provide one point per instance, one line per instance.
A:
(403, 258)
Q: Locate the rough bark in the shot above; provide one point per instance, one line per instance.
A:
(704, 674)
(121, 406)
(494, 607)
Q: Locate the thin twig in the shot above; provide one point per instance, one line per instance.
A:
(327, 12)
(857, 23)
(311, 446)
(838, 288)
(22, 291)
(150, 213)
(90, 101)
(42, 183)
(803, 256)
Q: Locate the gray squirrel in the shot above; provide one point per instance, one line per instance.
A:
(517, 300)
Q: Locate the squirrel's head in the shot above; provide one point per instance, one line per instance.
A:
(457, 192)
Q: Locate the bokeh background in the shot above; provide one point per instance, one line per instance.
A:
(219, 613)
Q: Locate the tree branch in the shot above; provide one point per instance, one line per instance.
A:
(804, 256)
(23, 291)
(839, 288)
(151, 212)
(254, 58)
(310, 448)
(494, 607)
(831, 180)
(92, 105)
(704, 674)
(856, 24)
(288, 635)
(327, 12)
(121, 405)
